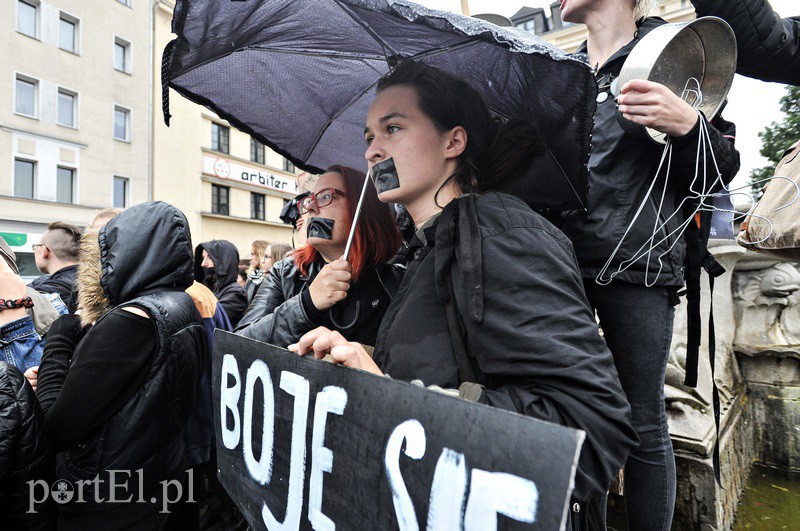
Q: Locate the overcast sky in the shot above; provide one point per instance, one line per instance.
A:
(752, 104)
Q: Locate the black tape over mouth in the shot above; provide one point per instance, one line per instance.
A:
(384, 174)
(321, 228)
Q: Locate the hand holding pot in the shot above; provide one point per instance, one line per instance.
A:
(655, 106)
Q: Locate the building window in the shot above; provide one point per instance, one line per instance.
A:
(256, 151)
(219, 138)
(65, 185)
(219, 199)
(121, 192)
(68, 33)
(24, 175)
(122, 55)
(25, 96)
(256, 206)
(122, 123)
(288, 166)
(125, 2)
(67, 105)
(27, 18)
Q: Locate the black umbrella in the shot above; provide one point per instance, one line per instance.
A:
(299, 76)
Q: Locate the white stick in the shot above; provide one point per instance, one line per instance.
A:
(356, 216)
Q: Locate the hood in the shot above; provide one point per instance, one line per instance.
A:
(226, 261)
(146, 248)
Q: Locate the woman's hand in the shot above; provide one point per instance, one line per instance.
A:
(655, 106)
(322, 342)
(32, 375)
(331, 284)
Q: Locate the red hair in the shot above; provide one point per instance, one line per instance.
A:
(376, 240)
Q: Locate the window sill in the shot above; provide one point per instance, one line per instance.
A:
(71, 52)
(65, 126)
(31, 117)
(30, 36)
(123, 140)
(126, 72)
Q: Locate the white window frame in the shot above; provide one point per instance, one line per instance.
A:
(35, 163)
(37, 19)
(128, 126)
(126, 3)
(36, 107)
(75, 107)
(127, 188)
(127, 68)
(74, 170)
(76, 37)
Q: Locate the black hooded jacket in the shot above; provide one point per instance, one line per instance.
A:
(529, 333)
(25, 455)
(622, 167)
(769, 46)
(226, 264)
(145, 257)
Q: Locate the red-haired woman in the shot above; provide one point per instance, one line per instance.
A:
(316, 287)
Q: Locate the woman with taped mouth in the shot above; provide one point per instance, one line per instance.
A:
(492, 302)
(316, 287)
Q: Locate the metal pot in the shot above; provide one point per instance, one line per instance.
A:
(673, 54)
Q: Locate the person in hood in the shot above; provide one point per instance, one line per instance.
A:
(118, 382)
(635, 306)
(316, 286)
(769, 46)
(492, 302)
(216, 264)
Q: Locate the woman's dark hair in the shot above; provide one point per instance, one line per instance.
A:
(496, 151)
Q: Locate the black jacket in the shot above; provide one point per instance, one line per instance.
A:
(769, 47)
(146, 262)
(278, 315)
(61, 282)
(622, 167)
(530, 334)
(25, 455)
(226, 263)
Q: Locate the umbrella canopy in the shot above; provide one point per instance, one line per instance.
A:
(300, 75)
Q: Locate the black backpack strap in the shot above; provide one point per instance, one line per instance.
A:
(698, 258)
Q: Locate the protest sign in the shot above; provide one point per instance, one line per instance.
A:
(305, 444)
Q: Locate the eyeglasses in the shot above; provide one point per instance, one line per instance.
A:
(322, 198)
(35, 245)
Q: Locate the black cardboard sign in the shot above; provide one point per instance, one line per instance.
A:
(304, 444)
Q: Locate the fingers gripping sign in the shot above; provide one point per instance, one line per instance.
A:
(655, 106)
(331, 284)
(322, 342)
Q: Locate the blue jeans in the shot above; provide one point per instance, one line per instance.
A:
(637, 326)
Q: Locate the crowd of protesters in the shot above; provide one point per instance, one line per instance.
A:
(448, 283)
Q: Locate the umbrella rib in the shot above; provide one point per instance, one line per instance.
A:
(316, 53)
(366, 28)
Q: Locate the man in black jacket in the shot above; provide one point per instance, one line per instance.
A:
(769, 47)
(57, 256)
(216, 264)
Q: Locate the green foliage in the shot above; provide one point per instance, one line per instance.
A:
(777, 138)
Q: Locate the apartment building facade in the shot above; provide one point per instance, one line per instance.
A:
(230, 186)
(73, 113)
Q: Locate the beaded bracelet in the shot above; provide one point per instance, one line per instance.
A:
(9, 304)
